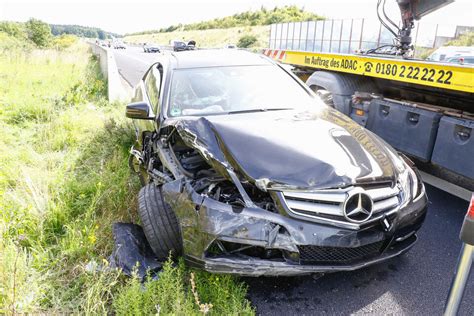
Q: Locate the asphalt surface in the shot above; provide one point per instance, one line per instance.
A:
(133, 63)
(415, 283)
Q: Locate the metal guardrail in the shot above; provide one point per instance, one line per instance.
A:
(463, 268)
(115, 89)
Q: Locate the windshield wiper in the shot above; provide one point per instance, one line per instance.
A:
(258, 110)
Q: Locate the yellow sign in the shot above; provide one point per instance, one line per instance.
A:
(452, 77)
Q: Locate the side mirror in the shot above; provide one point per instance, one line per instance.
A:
(138, 110)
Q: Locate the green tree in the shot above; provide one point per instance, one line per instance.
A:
(466, 39)
(246, 41)
(38, 32)
(14, 29)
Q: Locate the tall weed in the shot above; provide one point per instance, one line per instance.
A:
(64, 180)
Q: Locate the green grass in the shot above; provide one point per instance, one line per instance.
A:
(214, 38)
(64, 180)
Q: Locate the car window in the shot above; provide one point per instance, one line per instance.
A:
(469, 60)
(217, 90)
(138, 95)
(152, 85)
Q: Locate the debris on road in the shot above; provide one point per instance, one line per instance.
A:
(132, 251)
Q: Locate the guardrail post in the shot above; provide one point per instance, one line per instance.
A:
(350, 37)
(436, 35)
(314, 35)
(464, 265)
(340, 36)
(306, 36)
(460, 280)
(330, 36)
(361, 32)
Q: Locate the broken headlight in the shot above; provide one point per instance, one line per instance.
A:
(410, 182)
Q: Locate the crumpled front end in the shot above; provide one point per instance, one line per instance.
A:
(274, 201)
(223, 238)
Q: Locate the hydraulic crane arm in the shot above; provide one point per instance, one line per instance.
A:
(412, 10)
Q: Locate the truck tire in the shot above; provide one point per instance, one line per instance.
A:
(160, 224)
(340, 86)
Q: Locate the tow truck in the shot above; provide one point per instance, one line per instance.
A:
(422, 108)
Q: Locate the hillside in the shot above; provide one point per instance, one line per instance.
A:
(207, 38)
(220, 31)
(248, 18)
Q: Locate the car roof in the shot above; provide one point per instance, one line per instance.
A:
(217, 57)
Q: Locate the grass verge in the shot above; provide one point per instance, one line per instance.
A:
(64, 180)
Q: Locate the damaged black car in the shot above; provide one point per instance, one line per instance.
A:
(246, 171)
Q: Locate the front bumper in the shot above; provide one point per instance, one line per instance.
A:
(204, 221)
(258, 267)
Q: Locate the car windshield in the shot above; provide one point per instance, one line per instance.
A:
(236, 89)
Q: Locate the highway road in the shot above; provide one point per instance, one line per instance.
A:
(133, 62)
(416, 283)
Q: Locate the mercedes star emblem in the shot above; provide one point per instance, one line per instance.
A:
(358, 207)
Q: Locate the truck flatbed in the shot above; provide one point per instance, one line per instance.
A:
(432, 74)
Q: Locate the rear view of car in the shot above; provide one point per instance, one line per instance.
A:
(151, 48)
(119, 45)
(179, 46)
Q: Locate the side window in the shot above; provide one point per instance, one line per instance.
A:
(153, 84)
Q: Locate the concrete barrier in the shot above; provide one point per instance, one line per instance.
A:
(115, 86)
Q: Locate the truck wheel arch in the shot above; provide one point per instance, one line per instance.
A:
(342, 86)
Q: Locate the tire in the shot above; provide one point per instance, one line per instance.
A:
(340, 86)
(160, 224)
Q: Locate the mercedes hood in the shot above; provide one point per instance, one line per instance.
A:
(294, 150)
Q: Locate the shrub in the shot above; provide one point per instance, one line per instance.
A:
(247, 41)
(466, 39)
(64, 41)
(39, 32)
(12, 44)
(14, 29)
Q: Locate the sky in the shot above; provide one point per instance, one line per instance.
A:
(125, 16)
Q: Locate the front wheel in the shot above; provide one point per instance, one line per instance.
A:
(160, 223)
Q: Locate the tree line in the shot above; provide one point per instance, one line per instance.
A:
(38, 33)
(248, 18)
(81, 31)
(43, 34)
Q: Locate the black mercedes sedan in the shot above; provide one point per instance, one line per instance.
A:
(246, 171)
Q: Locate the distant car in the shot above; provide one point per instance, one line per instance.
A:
(151, 48)
(230, 46)
(191, 45)
(462, 60)
(119, 45)
(179, 46)
(103, 44)
(446, 52)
